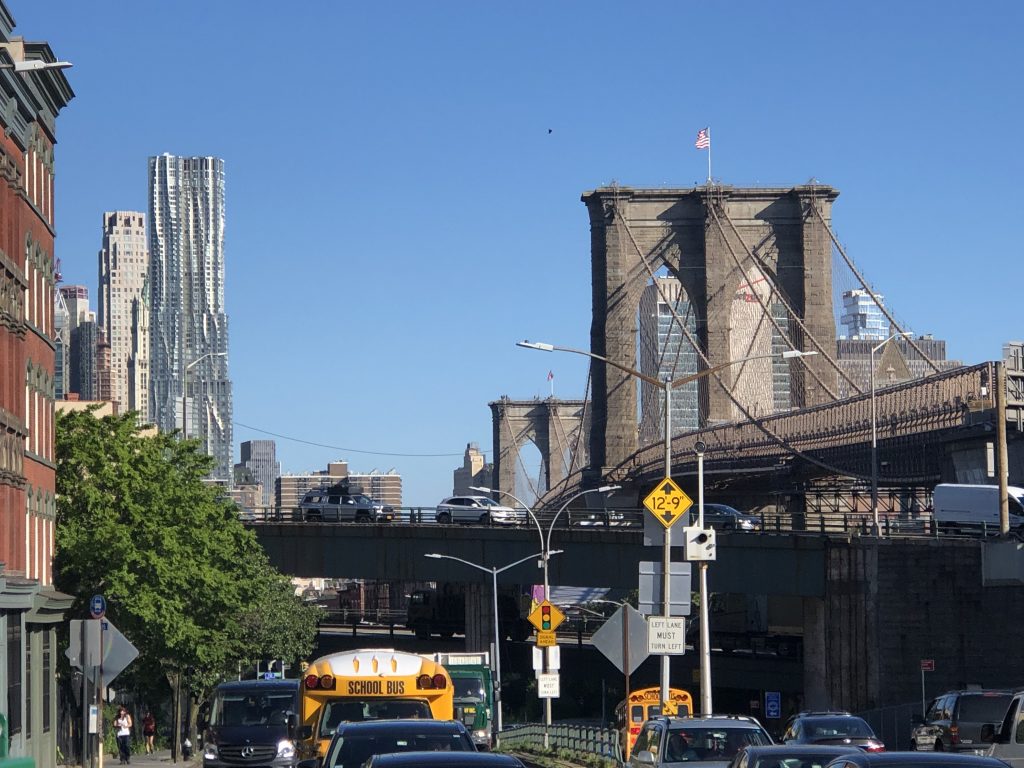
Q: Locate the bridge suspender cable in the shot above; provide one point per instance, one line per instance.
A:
(867, 288)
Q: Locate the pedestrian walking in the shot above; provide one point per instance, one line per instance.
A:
(149, 731)
(123, 728)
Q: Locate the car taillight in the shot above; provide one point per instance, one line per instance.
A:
(874, 746)
(312, 681)
(634, 730)
(954, 734)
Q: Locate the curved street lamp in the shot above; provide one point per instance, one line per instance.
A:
(667, 385)
(497, 618)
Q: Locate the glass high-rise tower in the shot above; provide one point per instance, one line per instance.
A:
(189, 384)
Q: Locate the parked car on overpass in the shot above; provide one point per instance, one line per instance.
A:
(478, 509)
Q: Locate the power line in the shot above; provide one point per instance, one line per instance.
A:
(349, 450)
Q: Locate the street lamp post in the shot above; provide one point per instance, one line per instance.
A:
(497, 619)
(545, 547)
(874, 432)
(184, 389)
(666, 386)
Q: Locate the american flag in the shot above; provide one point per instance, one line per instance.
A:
(703, 139)
(550, 375)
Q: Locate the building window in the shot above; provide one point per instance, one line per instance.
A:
(47, 678)
(13, 673)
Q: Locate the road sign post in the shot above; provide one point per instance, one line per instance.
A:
(927, 665)
(667, 503)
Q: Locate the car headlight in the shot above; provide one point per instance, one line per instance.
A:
(285, 748)
(481, 734)
(210, 752)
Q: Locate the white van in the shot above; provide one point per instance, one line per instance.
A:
(975, 507)
(1008, 737)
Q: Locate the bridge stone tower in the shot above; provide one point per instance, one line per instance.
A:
(557, 427)
(704, 237)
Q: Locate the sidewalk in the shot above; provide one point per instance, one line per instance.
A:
(162, 757)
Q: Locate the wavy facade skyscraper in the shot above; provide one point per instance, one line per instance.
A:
(189, 384)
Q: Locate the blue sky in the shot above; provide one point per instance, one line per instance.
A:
(403, 179)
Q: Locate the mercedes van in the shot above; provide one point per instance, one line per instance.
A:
(975, 508)
(251, 722)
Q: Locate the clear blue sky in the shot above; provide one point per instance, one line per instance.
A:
(403, 179)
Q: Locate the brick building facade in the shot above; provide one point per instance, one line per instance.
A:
(29, 607)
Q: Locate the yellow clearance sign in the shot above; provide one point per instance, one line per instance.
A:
(667, 502)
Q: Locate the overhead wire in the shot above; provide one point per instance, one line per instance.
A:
(352, 450)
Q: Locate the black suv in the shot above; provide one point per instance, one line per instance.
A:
(703, 739)
(835, 728)
(953, 720)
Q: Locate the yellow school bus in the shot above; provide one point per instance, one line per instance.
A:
(641, 705)
(373, 684)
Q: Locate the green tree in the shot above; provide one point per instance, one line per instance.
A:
(184, 580)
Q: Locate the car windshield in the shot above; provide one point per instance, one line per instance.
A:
(694, 744)
(838, 728)
(353, 751)
(983, 709)
(251, 708)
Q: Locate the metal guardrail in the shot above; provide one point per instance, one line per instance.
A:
(579, 740)
(828, 522)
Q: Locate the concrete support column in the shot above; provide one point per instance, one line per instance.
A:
(479, 615)
(816, 687)
(721, 281)
(613, 331)
(555, 448)
(506, 452)
(815, 293)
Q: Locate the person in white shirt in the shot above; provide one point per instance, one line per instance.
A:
(123, 728)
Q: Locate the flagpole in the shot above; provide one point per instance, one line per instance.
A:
(709, 154)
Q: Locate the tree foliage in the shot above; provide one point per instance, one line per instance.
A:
(184, 580)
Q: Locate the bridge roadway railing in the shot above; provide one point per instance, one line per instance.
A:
(923, 405)
(825, 521)
(581, 741)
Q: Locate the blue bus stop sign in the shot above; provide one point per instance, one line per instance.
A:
(97, 606)
(773, 705)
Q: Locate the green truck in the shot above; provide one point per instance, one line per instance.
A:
(11, 762)
(474, 693)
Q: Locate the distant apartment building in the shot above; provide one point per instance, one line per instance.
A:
(260, 458)
(247, 492)
(666, 352)
(895, 363)
(382, 486)
(123, 310)
(188, 373)
(862, 317)
(475, 470)
(82, 359)
(61, 347)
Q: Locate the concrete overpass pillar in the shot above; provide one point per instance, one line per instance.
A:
(815, 667)
(479, 617)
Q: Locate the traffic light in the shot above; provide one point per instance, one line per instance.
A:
(545, 617)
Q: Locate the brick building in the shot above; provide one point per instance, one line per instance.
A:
(30, 608)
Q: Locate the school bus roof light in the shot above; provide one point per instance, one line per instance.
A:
(424, 681)
(439, 681)
(312, 681)
(327, 682)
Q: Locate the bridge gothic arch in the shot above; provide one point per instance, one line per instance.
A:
(558, 428)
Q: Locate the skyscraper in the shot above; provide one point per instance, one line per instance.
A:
(189, 384)
(862, 317)
(124, 307)
(665, 351)
(260, 458)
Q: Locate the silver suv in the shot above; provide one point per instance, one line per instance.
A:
(712, 740)
(333, 505)
(477, 509)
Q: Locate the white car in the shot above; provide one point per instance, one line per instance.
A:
(477, 509)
